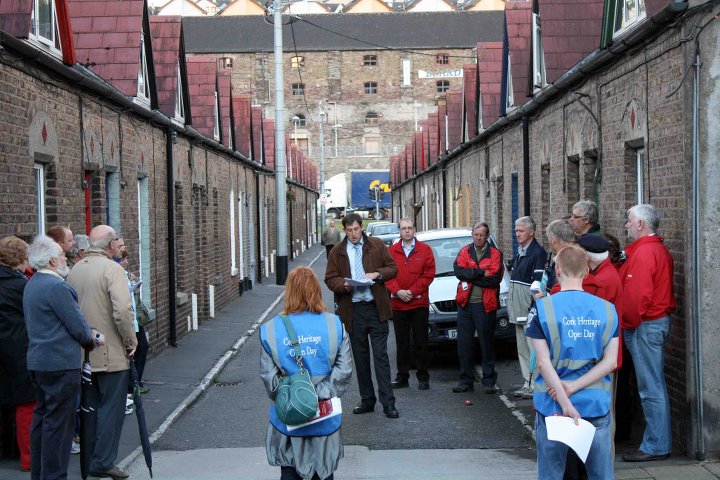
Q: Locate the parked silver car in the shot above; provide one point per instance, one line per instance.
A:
(445, 244)
(385, 231)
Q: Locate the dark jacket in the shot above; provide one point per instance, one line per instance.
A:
(376, 258)
(15, 384)
(485, 272)
(415, 273)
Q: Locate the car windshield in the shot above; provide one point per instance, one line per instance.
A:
(445, 251)
(385, 229)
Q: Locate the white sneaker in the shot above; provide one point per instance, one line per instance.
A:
(523, 392)
(75, 448)
(129, 401)
(129, 409)
(528, 393)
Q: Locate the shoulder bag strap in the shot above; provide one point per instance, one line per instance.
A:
(293, 340)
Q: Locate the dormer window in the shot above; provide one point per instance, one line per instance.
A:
(538, 55)
(509, 97)
(216, 131)
(626, 13)
(143, 91)
(45, 24)
(179, 100)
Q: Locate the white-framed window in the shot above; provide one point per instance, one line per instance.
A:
(179, 97)
(40, 198)
(640, 164)
(143, 91)
(44, 25)
(112, 200)
(233, 257)
(144, 240)
(442, 59)
(216, 132)
(300, 121)
(442, 86)
(225, 63)
(626, 13)
(372, 119)
(509, 96)
(370, 88)
(406, 71)
(538, 55)
(298, 89)
(370, 60)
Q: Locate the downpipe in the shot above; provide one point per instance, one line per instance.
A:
(169, 142)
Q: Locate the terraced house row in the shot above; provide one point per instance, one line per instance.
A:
(616, 101)
(104, 120)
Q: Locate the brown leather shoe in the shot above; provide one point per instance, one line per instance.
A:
(114, 473)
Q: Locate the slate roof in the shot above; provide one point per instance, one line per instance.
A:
(166, 33)
(241, 122)
(237, 34)
(470, 97)
(202, 81)
(107, 39)
(490, 79)
(224, 101)
(570, 31)
(518, 16)
(455, 117)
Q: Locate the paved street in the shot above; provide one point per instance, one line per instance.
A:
(208, 411)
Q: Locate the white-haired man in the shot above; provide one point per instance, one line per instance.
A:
(585, 218)
(648, 301)
(105, 301)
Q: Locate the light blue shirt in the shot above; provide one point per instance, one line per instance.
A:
(408, 249)
(359, 294)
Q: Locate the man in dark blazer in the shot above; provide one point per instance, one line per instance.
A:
(364, 310)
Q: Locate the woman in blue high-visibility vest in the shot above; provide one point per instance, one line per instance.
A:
(311, 452)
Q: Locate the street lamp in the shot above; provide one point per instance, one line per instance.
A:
(296, 121)
(322, 114)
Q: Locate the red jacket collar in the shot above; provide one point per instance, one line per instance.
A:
(630, 248)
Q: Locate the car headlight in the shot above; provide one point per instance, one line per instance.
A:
(503, 299)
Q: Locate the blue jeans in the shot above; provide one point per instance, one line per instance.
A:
(647, 348)
(552, 455)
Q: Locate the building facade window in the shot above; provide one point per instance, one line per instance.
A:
(233, 257)
(370, 88)
(372, 119)
(370, 60)
(225, 63)
(298, 120)
(372, 146)
(179, 97)
(298, 89)
(297, 62)
(627, 13)
(640, 174)
(407, 73)
(40, 198)
(44, 27)
(442, 86)
(112, 200)
(216, 131)
(144, 240)
(538, 54)
(442, 59)
(143, 91)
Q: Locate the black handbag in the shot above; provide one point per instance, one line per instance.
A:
(296, 401)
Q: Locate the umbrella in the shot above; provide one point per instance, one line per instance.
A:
(88, 415)
(140, 413)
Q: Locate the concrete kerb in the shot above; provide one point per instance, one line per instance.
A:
(206, 381)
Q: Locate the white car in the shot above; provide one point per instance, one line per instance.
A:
(442, 325)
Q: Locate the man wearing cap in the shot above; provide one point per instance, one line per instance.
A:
(647, 279)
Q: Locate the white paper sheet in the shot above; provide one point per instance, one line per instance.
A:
(366, 282)
(578, 437)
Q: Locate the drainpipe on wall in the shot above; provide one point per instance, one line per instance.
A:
(699, 414)
(169, 142)
(526, 164)
(259, 204)
(445, 198)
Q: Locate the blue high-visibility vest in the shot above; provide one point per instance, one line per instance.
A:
(578, 327)
(319, 336)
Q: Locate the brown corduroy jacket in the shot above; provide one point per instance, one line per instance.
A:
(376, 258)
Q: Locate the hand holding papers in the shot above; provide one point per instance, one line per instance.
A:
(365, 282)
(578, 437)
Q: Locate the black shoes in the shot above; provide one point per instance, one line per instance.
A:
(424, 386)
(400, 383)
(364, 407)
(390, 411)
(640, 456)
(462, 388)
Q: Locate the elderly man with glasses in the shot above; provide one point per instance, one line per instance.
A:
(585, 218)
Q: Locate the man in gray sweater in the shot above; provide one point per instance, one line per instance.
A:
(56, 330)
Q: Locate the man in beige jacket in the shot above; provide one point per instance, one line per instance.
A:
(105, 302)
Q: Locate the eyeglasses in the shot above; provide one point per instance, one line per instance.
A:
(578, 216)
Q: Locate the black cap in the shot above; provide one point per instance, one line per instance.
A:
(593, 243)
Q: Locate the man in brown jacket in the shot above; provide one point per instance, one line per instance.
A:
(364, 310)
(105, 302)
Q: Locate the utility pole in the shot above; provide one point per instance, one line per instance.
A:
(280, 182)
(321, 115)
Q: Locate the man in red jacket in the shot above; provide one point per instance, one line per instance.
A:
(410, 303)
(479, 267)
(648, 301)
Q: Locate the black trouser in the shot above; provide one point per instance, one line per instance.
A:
(327, 250)
(112, 389)
(289, 473)
(141, 353)
(406, 323)
(53, 423)
(366, 323)
(470, 318)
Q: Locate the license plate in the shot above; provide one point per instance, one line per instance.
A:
(452, 333)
